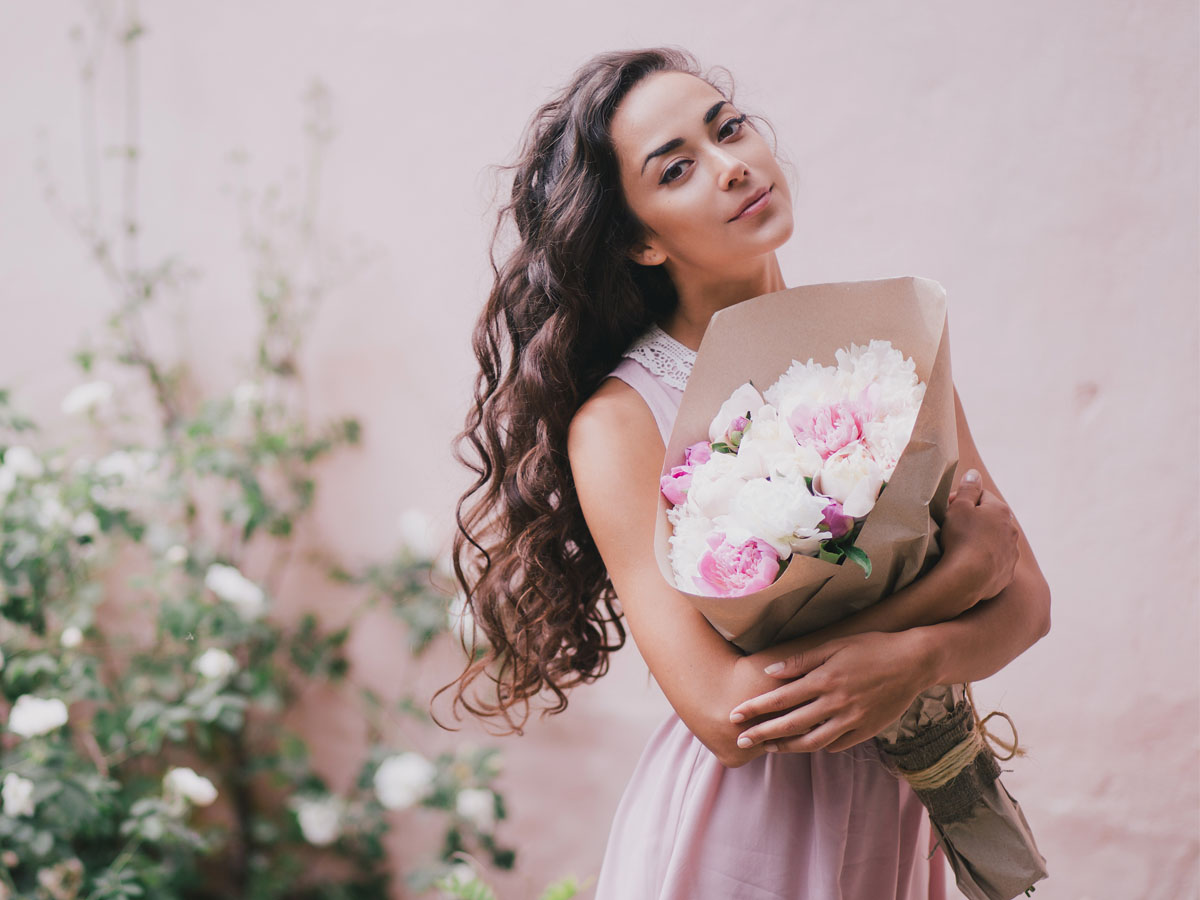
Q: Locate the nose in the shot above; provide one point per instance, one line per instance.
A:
(730, 168)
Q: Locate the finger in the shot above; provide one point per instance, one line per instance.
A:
(970, 487)
(793, 724)
(803, 662)
(846, 741)
(785, 697)
(819, 737)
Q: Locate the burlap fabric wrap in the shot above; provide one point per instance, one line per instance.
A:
(982, 830)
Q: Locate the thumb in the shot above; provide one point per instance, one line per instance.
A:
(970, 487)
(803, 662)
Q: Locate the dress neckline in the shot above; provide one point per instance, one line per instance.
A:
(664, 356)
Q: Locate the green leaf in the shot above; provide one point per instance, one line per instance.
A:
(858, 555)
(561, 890)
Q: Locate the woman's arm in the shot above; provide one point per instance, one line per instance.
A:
(860, 680)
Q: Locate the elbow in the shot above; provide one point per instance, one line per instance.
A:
(1043, 618)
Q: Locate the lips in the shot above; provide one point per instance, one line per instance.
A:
(758, 195)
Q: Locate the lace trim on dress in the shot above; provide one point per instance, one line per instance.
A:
(664, 356)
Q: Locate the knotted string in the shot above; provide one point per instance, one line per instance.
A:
(962, 754)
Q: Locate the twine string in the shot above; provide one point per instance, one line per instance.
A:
(962, 754)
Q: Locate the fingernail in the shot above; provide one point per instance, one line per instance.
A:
(770, 748)
(972, 475)
(736, 717)
(773, 668)
(744, 741)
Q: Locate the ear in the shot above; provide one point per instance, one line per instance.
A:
(647, 255)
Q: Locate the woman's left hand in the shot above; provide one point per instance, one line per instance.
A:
(839, 693)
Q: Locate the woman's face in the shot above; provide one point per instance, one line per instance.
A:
(689, 164)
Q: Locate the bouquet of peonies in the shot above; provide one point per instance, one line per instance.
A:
(763, 503)
(794, 470)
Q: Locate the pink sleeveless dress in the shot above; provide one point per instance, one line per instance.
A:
(786, 826)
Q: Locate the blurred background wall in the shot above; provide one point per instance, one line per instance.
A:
(1039, 160)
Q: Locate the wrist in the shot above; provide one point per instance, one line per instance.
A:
(961, 580)
(928, 656)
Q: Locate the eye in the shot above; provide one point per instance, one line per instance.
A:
(736, 122)
(676, 167)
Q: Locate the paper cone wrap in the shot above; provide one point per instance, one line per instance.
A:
(988, 844)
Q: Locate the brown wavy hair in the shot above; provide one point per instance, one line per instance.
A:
(564, 306)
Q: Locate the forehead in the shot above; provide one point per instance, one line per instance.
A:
(662, 106)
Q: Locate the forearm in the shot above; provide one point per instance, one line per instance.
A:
(993, 633)
(921, 603)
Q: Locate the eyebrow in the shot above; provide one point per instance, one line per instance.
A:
(675, 142)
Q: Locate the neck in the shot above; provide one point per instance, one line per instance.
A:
(699, 298)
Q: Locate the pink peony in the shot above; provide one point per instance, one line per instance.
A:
(697, 453)
(839, 523)
(729, 569)
(675, 485)
(829, 428)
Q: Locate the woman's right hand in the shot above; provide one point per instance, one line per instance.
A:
(980, 540)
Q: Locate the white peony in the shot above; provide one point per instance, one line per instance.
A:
(783, 513)
(416, 532)
(403, 779)
(320, 818)
(807, 384)
(183, 784)
(688, 542)
(714, 485)
(72, 636)
(23, 462)
(232, 586)
(477, 806)
(214, 663)
(31, 716)
(769, 449)
(84, 398)
(852, 477)
(17, 794)
(741, 402)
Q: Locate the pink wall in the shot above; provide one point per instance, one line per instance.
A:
(1038, 159)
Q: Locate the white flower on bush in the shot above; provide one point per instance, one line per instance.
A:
(72, 636)
(176, 554)
(131, 469)
(85, 524)
(50, 511)
(84, 398)
(17, 794)
(246, 396)
(214, 663)
(320, 818)
(416, 533)
(22, 462)
(181, 785)
(232, 586)
(403, 779)
(8, 480)
(462, 623)
(477, 806)
(31, 716)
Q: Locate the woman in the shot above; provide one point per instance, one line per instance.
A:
(645, 200)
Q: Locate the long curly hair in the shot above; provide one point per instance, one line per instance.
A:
(565, 304)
